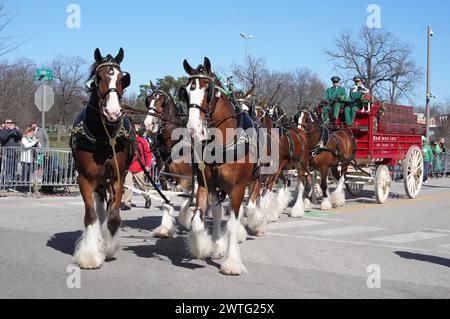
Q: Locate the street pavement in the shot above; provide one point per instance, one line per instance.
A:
(364, 250)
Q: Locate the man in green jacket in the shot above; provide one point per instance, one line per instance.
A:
(334, 96)
(354, 99)
(427, 158)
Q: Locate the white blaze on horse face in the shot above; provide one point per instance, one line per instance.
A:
(300, 121)
(245, 107)
(195, 124)
(113, 110)
(152, 122)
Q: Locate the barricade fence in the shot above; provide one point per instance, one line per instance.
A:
(27, 167)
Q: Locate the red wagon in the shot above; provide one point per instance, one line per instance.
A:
(387, 136)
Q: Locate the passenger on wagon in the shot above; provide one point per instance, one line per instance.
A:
(355, 100)
(334, 95)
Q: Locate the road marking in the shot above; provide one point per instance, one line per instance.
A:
(347, 242)
(341, 231)
(409, 237)
(294, 224)
(393, 203)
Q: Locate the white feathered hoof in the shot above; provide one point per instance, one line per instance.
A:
(338, 200)
(242, 234)
(308, 206)
(162, 232)
(326, 204)
(256, 220)
(199, 242)
(89, 259)
(233, 267)
(185, 217)
(219, 248)
(166, 229)
(111, 243)
(297, 212)
(89, 251)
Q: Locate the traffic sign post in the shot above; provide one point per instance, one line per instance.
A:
(44, 98)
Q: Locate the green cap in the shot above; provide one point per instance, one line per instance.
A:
(335, 79)
(357, 78)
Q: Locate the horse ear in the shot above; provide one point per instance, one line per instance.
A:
(119, 57)
(187, 67)
(152, 86)
(207, 65)
(251, 92)
(126, 80)
(98, 56)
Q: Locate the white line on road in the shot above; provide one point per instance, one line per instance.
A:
(409, 237)
(347, 242)
(294, 224)
(345, 231)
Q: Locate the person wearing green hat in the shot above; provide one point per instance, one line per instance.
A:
(355, 100)
(334, 96)
(427, 158)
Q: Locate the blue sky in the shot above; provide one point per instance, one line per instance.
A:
(158, 35)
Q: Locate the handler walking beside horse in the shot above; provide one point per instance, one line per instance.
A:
(136, 174)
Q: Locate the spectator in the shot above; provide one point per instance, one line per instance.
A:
(136, 175)
(427, 158)
(9, 138)
(437, 158)
(26, 157)
(41, 135)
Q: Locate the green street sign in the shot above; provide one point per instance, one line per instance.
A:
(43, 75)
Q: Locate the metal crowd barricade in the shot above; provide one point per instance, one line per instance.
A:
(21, 168)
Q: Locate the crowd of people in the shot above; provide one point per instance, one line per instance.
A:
(434, 156)
(19, 162)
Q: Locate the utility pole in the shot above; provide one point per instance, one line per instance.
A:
(430, 34)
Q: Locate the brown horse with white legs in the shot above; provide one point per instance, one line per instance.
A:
(102, 150)
(165, 117)
(209, 107)
(293, 154)
(329, 149)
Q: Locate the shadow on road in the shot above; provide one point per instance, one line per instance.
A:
(64, 242)
(426, 258)
(148, 223)
(174, 249)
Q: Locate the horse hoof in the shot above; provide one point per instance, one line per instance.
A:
(232, 267)
(89, 261)
(162, 233)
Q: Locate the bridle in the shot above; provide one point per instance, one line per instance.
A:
(211, 106)
(102, 96)
(163, 116)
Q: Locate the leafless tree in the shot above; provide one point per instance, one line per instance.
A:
(383, 61)
(69, 89)
(17, 92)
(7, 43)
(291, 90)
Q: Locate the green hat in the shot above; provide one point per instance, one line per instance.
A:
(335, 79)
(357, 78)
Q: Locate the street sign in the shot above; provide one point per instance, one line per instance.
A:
(44, 98)
(43, 75)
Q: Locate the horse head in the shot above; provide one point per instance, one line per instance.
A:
(108, 82)
(199, 94)
(157, 106)
(244, 99)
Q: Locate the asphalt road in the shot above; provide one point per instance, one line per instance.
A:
(402, 248)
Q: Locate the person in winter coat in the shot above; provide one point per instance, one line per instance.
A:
(136, 174)
(427, 158)
(26, 155)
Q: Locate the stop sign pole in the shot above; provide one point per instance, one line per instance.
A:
(44, 99)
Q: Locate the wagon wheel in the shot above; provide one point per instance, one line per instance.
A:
(354, 188)
(413, 172)
(382, 184)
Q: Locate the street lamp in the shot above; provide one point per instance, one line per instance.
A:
(430, 33)
(246, 38)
